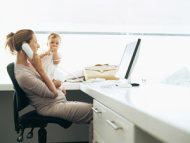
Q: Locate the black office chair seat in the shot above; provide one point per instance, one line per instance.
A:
(30, 119)
(33, 119)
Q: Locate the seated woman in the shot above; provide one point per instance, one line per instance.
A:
(42, 93)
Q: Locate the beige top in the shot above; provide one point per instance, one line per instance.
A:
(36, 90)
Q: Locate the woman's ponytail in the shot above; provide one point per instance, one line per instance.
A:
(14, 40)
(10, 43)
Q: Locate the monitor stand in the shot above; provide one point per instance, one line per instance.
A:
(126, 83)
(123, 83)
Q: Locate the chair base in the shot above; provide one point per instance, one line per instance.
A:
(42, 134)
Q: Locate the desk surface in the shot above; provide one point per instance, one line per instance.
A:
(6, 87)
(161, 110)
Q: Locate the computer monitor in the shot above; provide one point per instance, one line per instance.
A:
(128, 60)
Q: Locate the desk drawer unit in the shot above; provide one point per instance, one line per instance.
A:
(97, 138)
(111, 127)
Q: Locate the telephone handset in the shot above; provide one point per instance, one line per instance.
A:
(27, 49)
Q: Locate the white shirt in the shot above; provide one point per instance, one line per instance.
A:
(48, 65)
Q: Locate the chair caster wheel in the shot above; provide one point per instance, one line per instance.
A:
(29, 135)
(20, 139)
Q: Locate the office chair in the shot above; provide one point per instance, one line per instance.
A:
(30, 119)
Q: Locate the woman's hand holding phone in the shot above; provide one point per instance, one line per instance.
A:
(27, 49)
(32, 56)
(36, 62)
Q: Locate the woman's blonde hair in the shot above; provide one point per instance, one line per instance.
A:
(14, 40)
(54, 35)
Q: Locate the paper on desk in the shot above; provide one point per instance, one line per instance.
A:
(77, 76)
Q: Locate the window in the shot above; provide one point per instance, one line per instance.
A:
(160, 55)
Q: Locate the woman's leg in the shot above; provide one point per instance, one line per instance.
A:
(77, 112)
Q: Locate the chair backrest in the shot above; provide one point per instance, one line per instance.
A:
(22, 100)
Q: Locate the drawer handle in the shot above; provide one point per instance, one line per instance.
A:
(113, 125)
(95, 110)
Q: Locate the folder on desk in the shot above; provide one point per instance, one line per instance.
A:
(100, 71)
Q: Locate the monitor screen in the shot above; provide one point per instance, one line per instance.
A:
(128, 60)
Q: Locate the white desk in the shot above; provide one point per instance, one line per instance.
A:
(6, 87)
(162, 111)
(71, 86)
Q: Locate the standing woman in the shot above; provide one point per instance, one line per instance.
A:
(42, 93)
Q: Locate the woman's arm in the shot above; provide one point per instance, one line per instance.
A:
(33, 84)
(36, 62)
(48, 82)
